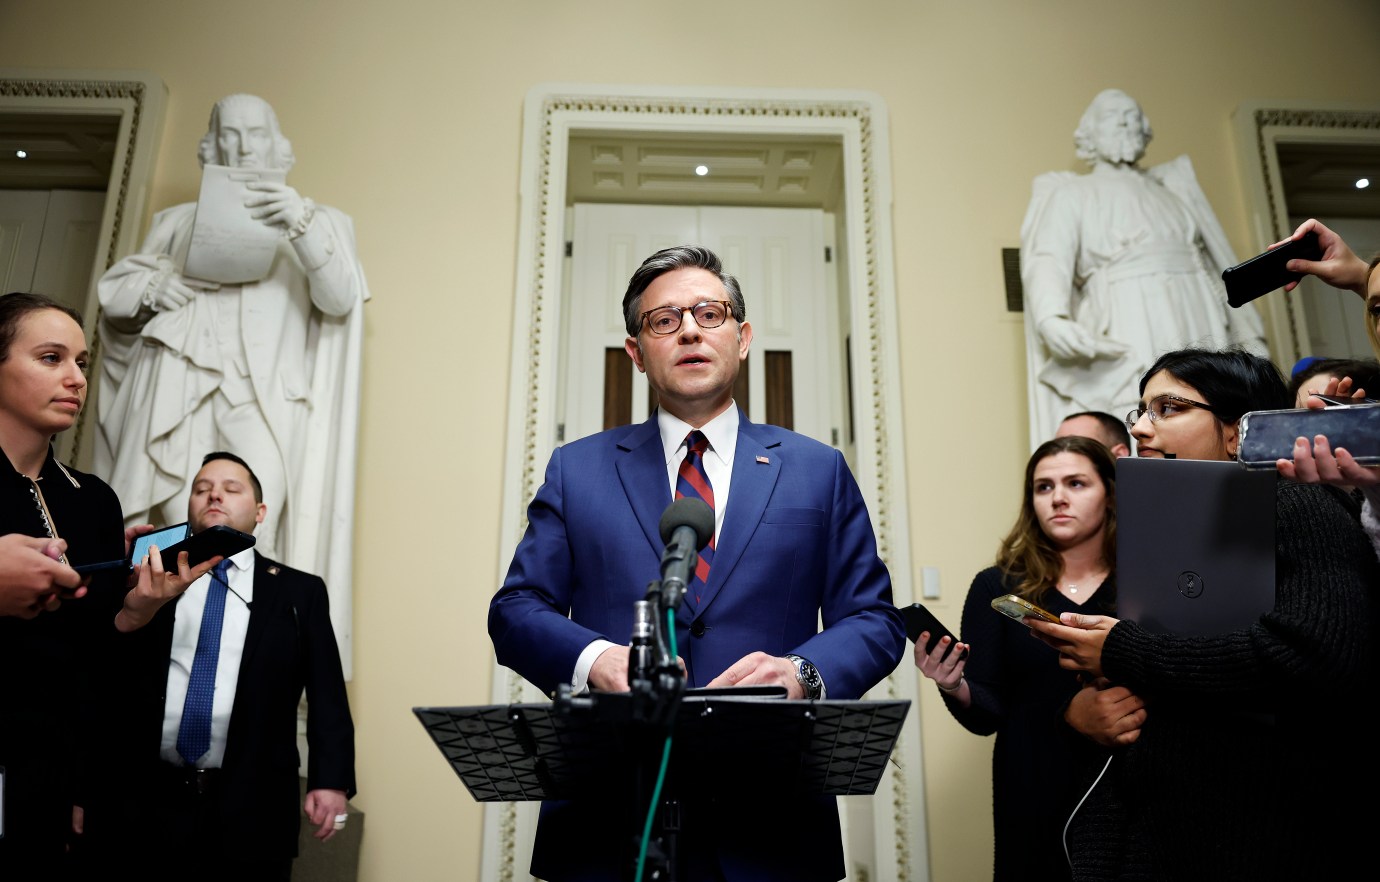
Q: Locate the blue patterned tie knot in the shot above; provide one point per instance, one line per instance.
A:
(194, 733)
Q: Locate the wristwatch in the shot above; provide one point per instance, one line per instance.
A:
(809, 678)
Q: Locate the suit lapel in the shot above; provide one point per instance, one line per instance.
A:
(642, 471)
(261, 608)
(756, 468)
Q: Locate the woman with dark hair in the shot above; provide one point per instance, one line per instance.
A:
(44, 663)
(49, 665)
(1060, 555)
(1239, 770)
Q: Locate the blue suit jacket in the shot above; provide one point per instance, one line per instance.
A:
(796, 548)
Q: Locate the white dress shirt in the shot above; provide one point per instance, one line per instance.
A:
(722, 433)
(186, 629)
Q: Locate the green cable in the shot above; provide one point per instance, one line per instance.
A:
(665, 762)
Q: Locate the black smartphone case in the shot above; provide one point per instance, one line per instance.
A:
(219, 539)
(1265, 272)
(918, 620)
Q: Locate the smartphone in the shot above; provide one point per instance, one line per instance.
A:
(918, 620)
(165, 536)
(1019, 608)
(1269, 435)
(1265, 272)
(210, 542)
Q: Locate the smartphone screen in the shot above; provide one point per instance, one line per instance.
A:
(1269, 435)
(163, 538)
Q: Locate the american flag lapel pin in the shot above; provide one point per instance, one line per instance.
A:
(763, 460)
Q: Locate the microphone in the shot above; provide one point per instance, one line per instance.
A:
(687, 525)
(642, 661)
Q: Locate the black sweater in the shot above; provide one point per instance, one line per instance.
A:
(1253, 738)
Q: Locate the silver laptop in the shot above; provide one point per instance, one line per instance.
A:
(1195, 545)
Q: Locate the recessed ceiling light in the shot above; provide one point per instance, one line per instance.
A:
(1362, 183)
(22, 154)
(701, 170)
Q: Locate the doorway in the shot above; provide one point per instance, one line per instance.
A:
(124, 108)
(885, 833)
(1300, 162)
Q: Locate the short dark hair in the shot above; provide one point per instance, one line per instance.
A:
(253, 478)
(1364, 373)
(666, 260)
(1233, 381)
(17, 304)
(1114, 427)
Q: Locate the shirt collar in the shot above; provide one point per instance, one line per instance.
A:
(722, 432)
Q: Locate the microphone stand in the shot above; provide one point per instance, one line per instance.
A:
(657, 684)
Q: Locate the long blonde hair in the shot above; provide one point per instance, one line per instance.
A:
(1028, 558)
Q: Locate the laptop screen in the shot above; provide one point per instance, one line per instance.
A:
(1195, 545)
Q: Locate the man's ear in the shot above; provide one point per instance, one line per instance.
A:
(1120, 450)
(260, 512)
(634, 350)
(744, 339)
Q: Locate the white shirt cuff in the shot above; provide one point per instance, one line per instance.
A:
(579, 683)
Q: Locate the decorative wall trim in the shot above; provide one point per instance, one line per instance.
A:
(1260, 127)
(138, 98)
(552, 113)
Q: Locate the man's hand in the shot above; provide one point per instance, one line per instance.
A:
(1110, 715)
(609, 673)
(760, 669)
(31, 577)
(154, 586)
(277, 205)
(1078, 638)
(321, 807)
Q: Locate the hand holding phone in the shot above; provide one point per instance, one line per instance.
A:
(1266, 271)
(919, 620)
(1018, 608)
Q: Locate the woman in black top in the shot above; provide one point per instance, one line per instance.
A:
(1250, 763)
(46, 725)
(1060, 555)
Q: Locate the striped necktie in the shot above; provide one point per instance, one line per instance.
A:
(194, 733)
(693, 482)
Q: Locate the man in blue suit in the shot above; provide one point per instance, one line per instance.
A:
(793, 546)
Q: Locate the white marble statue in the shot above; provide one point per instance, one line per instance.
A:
(268, 370)
(1119, 265)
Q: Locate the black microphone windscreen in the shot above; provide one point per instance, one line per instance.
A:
(688, 512)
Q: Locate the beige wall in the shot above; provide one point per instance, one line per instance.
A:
(408, 114)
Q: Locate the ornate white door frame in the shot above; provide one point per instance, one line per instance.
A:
(858, 120)
(138, 99)
(1260, 127)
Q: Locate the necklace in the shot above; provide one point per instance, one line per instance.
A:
(1073, 589)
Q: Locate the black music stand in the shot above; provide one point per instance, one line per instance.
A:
(750, 743)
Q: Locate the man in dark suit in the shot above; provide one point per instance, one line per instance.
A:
(205, 783)
(792, 547)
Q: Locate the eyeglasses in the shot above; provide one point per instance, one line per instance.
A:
(1162, 407)
(667, 319)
